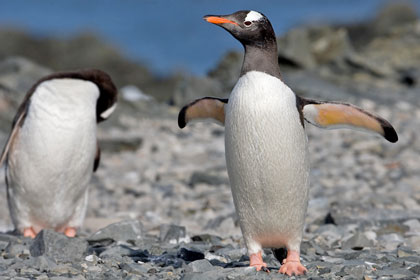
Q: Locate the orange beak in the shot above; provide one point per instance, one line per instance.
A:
(218, 20)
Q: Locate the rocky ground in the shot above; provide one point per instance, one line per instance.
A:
(160, 205)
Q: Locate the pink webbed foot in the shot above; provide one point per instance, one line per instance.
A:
(29, 232)
(255, 260)
(291, 265)
(70, 232)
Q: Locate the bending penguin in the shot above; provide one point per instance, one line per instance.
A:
(52, 150)
(266, 144)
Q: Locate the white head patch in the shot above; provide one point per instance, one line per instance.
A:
(105, 114)
(253, 16)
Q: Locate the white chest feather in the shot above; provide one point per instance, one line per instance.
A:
(52, 159)
(61, 122)
(266, 155)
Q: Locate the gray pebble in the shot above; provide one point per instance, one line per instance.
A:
(16, 249)
(357, 241)
(199, 177)
(3, 245)
(172, 234)
(415, 270)
(200, 266)
(135, 268)
(42, 263)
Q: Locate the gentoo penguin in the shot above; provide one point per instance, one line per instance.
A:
(52, 150)
(266, 144)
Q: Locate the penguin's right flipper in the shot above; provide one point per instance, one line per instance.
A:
(204, 108)
(331, 115)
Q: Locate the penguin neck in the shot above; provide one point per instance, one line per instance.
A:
(262, 58)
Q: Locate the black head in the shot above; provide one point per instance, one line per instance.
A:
(256, 34)
(107, 89)
(251, 28)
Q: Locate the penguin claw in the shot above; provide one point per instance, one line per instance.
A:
(260, 266)
(291, 265)
(29, 232)
(255, 260)
(265, 269)
(292, 268)
(70, 232)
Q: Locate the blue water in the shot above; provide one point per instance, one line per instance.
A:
(170, 35)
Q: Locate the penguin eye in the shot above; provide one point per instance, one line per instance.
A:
(247, 23)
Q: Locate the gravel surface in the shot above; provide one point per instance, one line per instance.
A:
(175, 218)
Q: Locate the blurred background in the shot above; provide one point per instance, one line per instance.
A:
(156, 44)
(169, 35)
(162, 55)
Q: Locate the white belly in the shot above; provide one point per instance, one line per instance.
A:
(266, 155)
(52, 160)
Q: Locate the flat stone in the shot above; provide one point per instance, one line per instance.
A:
(8, 237)
(77, 277)
(17, 249)
(116, 144)
(92, 258)
(415, 269)
(3, 245)
(126, 231)
(29, 271)
(209, 238)
(390, 241)
(64, 269)
(357, 242)
(58, 247)
(356, 271)
(324, 270)
(414, 226)
(405, 252)
(199, 177)
(215, 258)
(135, 268)
(395, 272)
(414, 243)
(332, 260)
(120, 251)
(227, 273)
(172, 234)
(200, 265)
(134, 277)
(43, 263)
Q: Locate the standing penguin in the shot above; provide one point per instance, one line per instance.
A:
(266, 144)
(52, 150)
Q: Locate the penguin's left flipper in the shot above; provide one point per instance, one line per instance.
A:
(331, 115)
(97, 157)
(17, 124)
(204, 108)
